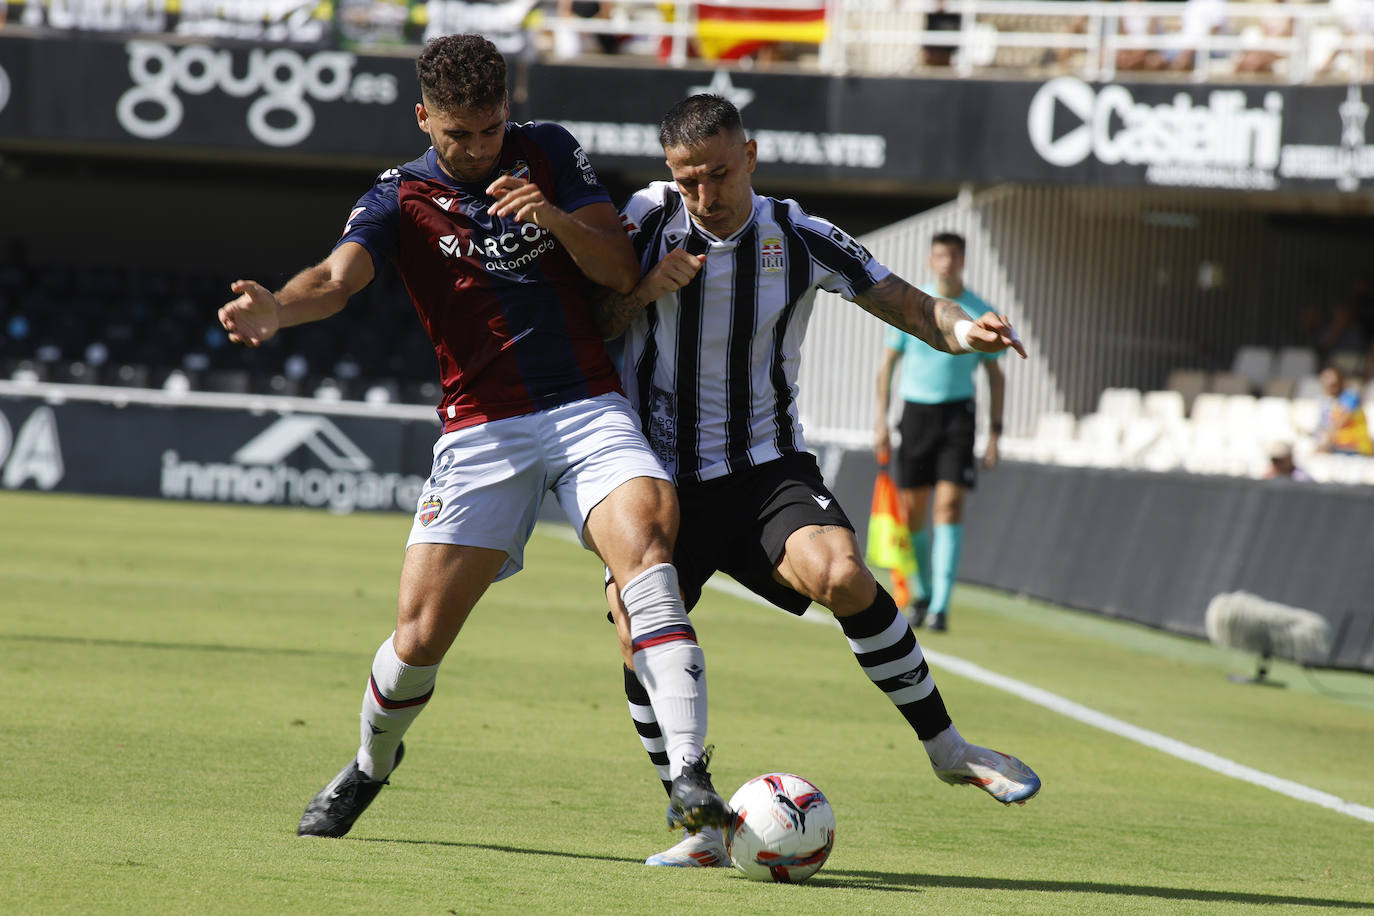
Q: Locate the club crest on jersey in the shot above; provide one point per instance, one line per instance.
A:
(429, 509)
(770, 255)
(520, 170)
(628, 224)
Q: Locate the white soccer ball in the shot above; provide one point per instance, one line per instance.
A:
(782, 829)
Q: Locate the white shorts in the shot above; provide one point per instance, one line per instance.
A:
(489, 480)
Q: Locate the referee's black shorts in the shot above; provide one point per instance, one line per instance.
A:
(740, 524)
(937, 444)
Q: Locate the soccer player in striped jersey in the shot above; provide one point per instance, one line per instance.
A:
(713, 336)
(500, 231)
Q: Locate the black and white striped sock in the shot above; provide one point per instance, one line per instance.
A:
(650, 735)
(887, 650)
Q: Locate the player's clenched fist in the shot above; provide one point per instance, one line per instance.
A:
(669, 275)
(253, 317)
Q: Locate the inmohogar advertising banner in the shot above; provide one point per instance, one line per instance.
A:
(285, 459)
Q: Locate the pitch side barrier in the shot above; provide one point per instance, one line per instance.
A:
(1153, 548)
(1156, 548)
(210, 447)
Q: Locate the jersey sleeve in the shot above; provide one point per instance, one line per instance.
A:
(575, 181)
(847, 267)
(374, 221)
(640, 217)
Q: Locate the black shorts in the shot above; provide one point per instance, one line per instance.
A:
(740, 524)
(937, 444)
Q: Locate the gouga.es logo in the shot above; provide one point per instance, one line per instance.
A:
(283, 79)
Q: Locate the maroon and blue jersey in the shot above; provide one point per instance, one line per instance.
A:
(503, 302)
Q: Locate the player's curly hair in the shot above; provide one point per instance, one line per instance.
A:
(461, 72)
(696, 119)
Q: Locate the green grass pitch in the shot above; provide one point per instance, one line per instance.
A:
(179, 679)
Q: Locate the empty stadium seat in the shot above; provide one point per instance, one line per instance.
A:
(1255, 363)
(1295, 362)
(1165, 406)
(1230, 383)
(1280, 386)
(1309, 387)
(1120, 403)
(1274, 419)
(1306, 412)
(1188, 382)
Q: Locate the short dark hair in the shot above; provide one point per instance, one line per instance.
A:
(461, 72)
(696, 119)
(952, 239)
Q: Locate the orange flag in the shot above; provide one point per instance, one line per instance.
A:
(889, 539)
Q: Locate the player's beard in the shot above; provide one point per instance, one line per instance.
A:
(469, 172)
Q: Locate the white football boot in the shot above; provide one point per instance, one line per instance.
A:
(705, 849)
(1000, 775)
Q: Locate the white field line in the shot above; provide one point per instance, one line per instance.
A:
(1079, 712)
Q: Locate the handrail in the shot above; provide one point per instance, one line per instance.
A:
(1090, 30)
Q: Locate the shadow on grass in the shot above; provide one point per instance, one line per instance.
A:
(891, 881)
(841, 879)
(175, 646)
(517, 850)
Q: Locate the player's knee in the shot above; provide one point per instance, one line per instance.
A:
(838, 581)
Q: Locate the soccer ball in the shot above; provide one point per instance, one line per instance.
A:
(782, 829)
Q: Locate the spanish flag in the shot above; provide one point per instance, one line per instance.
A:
(729, 32)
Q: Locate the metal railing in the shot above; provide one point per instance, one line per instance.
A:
(1294, 43)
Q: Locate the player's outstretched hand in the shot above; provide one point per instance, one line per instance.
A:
(993, 333)
(523, 199)
(253, 317)
(669, 275)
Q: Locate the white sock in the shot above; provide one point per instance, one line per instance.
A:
(946, 749)
(396, 693)
(670, 664)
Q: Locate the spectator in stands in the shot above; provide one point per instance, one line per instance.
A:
(1341, 427)
(940, 20)
(937, 429)
(1139, 25)
(1201, 18)
(1345, 337)
(572, 44)
(1281, 464)
(1262, 60)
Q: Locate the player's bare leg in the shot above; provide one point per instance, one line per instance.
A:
(440, 584)
(822, 562)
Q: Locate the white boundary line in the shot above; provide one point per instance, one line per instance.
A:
(1087, 716)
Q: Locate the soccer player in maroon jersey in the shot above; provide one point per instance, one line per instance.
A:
(499, 232)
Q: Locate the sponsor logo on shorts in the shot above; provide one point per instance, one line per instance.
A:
(429, 509)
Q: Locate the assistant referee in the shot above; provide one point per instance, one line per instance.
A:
(937, 426)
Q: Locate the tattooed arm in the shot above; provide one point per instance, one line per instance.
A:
(612, 312)
(936, 321)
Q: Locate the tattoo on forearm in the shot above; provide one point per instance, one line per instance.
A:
(904, 306)
(947, 315)
(612, 312)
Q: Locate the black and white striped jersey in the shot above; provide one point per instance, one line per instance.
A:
(712, 369)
